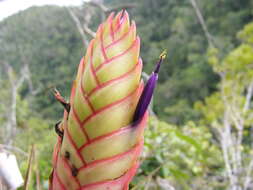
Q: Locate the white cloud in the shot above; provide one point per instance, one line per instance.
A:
(9, 7)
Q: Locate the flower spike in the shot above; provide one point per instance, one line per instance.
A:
(98, 148)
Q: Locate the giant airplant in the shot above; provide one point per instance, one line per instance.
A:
(101, 134)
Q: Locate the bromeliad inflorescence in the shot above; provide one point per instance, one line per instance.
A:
(101, 134)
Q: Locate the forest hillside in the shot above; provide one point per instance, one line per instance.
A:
(200, 130)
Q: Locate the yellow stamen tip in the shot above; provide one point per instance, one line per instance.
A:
(163, 54)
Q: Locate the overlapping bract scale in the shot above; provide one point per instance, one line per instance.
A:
(101, 145)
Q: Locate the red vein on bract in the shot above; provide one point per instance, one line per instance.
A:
(88, 55)
(102, 85)
(124, 178)
(80, 124)
(72, 93)
(57, 148)
(83, 66)
(118, 132)
(94, 73)
(121, 37)
(74, 145)
(109, 106)
(111, 26)
(59, 181)
(118, 17)
(114, 133)
(76, 117)
(92, 67)
(80, 68)
(131, 175)
(68, 167)
(135, 43)
(134, 150)
(80, 72)
(87, 99)
(102, 48)
(120, 21)
(111, 32)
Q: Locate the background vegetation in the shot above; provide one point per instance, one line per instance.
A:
(200, 135)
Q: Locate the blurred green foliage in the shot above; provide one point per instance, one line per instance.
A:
(182, 156)
(180, 145)
(173, 25)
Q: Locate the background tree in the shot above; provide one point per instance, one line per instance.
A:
(186, 148)
(229, 111)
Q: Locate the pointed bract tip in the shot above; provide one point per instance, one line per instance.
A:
(56, 92)
(110, 18)
(124, 17)
(60, 99)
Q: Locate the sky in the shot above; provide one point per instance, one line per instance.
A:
(9, 7)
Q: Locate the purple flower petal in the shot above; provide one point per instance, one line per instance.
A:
(147, 93)
(145, 97)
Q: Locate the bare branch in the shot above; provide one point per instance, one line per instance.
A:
(87, 30)
(29, 169)
(13, 148)
(202, 23)
(28, 78)
(248, 175)
(120, 7)
(15, 84)
(107, 10)
(83, 27)
(22, 78)
(224, 144)
(37, 171)
(248, 97)
(79, 26)
(164, 183)
(99, 5)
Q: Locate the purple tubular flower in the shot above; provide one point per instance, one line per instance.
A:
(148, 91)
